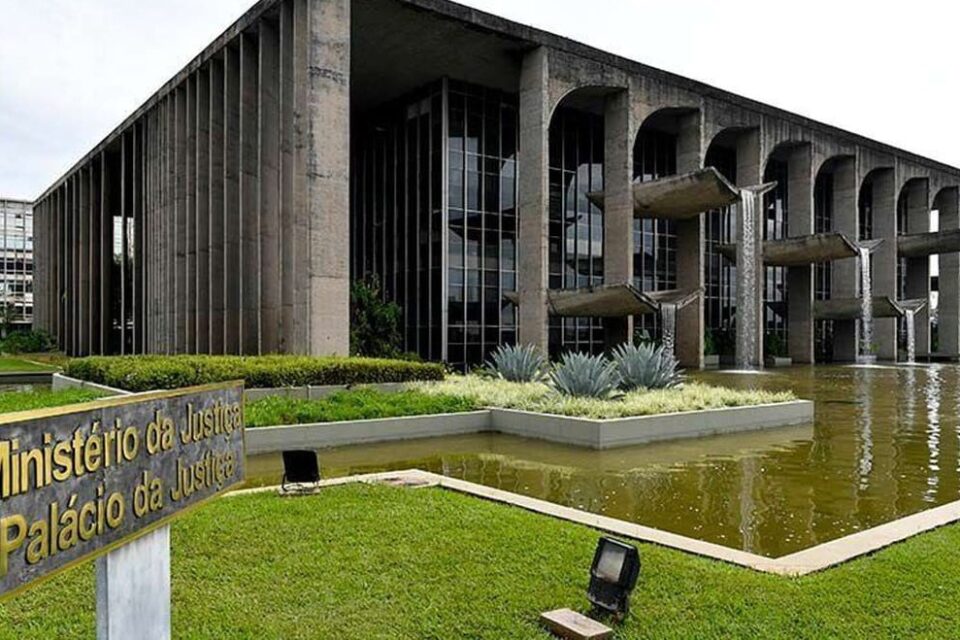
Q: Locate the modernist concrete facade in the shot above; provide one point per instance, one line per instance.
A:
(16, 270)
(479, 168)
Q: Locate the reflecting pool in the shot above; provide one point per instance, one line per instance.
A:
(885, 444)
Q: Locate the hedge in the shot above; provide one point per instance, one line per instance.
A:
(145, 373)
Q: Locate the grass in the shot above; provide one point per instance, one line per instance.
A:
(19, 365)
(362, 562)
(358, 404)
(11, 401)
(535, 396)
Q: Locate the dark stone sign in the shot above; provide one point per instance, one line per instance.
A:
(78, 481)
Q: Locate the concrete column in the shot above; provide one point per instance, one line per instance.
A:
(216, 211)
(690, 249)
(750, 173)
(534, 196)
(618, 206)
(918, 269)
(800, 279)
(233, 269)
(323, 144)
(947, 204)
(846, 219)
(179, 298)
(885, 259)
(202, 213)
(249, 201)
(269, 186)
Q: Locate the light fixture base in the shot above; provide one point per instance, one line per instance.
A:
(570, 625)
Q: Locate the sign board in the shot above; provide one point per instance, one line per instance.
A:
(78, 481)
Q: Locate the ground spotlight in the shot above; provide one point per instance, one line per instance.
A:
(300, 469)
(613, 576)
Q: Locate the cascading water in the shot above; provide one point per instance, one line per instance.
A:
(866, 305)
(910, 318)
(748, 310)
(668, 318)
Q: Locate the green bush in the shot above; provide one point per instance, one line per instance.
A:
(144, 373)
(33, 341)
(356, 404)
(374, 322)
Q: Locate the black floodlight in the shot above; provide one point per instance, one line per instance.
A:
(300, 468)
(613, 576)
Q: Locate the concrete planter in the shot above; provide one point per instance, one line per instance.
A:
(61, 381)
(584, 432)
(38, 377)
(775, 362)
(335, 434)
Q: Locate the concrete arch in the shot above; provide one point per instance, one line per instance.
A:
(686, 123)
(588, 97)
(783, 151)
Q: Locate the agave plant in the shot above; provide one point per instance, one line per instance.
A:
(586, 376)
(518, 363)
(646, 366)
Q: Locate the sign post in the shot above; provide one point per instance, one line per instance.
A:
(104, 479)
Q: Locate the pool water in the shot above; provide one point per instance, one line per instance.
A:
(885, 444)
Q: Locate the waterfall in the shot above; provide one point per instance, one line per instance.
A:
(866, 304)
(668, 319)
(749, 248)
(911, 336)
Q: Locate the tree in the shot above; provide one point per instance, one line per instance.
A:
(374, 323)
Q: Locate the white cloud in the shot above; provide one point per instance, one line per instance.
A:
(71, 70)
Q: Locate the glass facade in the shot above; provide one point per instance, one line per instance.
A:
(654, 241)
(16, 269)
(434, 217)
(823, 272)
(775, 228)
(575, 224)
(720, 296)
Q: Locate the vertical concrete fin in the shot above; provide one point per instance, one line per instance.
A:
(202, 214)
(618, 205)
(269, 185)
(249, 205)
(287, 227)
(217, 276)
(233, 223)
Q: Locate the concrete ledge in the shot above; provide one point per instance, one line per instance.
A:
(818, 558)
(310, 392)
(335, 434)
(61, 381)
(32, 377)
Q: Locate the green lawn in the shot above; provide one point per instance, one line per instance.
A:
(18, 365)
(377, 562)
(358, 404)
(11, 401)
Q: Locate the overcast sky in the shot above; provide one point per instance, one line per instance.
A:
(71, 70)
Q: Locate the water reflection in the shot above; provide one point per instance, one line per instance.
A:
(883, 446)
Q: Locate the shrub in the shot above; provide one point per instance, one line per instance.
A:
(33, 341)
(374, 323)
(356, 404)
(585, 376)
(518, 363)
(144, 373)
(646, 366)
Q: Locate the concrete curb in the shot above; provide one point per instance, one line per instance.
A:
(812, 560)
(61, 381)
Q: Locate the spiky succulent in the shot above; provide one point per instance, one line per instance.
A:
(646, 366)
(518, 363)
(585, 376)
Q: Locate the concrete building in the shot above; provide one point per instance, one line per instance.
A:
(503, 183)
(16, 270)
